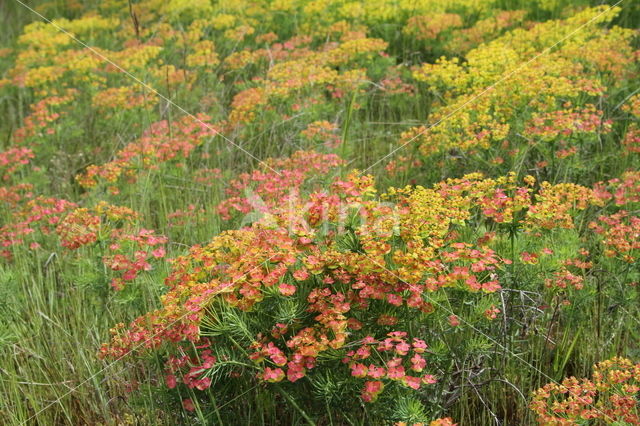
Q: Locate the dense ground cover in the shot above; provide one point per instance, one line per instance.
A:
(319, 212)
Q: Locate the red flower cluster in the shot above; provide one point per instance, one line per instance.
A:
(12, 159)
(621, 235)
(145, 246)
(624, 190)
(394, 358)
(191, 368)
(41, 214)
(568, 122)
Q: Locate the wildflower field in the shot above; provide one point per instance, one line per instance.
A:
(319, 212)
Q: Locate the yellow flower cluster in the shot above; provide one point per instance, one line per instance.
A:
(496, 83)
(42, 76)
(135, 57)
(204, 55)
(223, 21)
(87, 25)
(632, 106)
(122, 98)
(43, 37)
(196, 7)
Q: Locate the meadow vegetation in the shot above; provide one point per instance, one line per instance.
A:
(321, 212)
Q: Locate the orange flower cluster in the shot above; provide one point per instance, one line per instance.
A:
(126, 247)
(556, 204)
(122, 98)
(611, 396)
(275, 182)
(78, 228)
(13, 194)
(620, 235)
(324, 132)
(298, 251)
(270, 263)
(425, 27)
(160, 143)
(568, 122)
(631, 140)
(307, 70)
(189, 216)
(464, 39)
(294, 48)
(563, 279)
(632, 106)
(42, 119)
(193, 365)
(393, 84)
